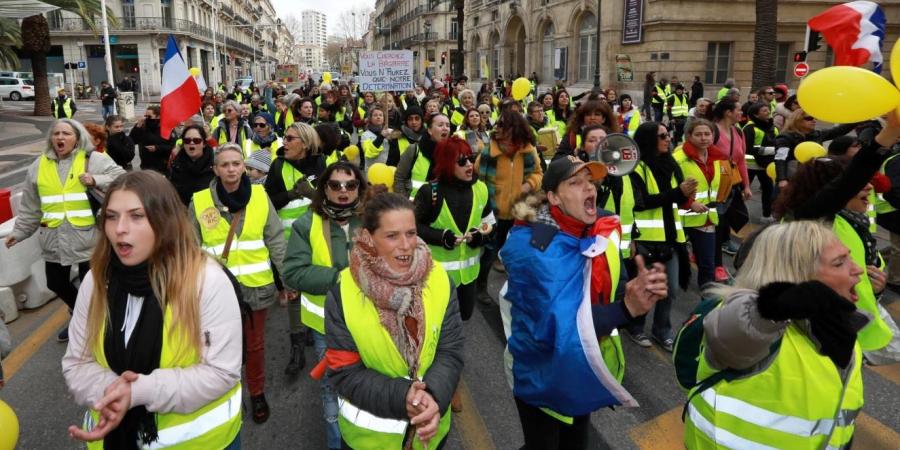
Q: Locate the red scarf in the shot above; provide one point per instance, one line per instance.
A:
(601, 282)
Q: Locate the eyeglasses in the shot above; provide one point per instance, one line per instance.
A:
(260, 125)
(809, 118)
(663, 136)
(349, 185)
(289, 138)
(464, 160)
(192, 141)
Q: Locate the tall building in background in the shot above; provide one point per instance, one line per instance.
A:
(312, 39)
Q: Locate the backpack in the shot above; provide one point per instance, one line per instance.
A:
(688, 350)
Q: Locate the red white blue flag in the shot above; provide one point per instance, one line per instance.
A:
(855, 32)
(180, 96)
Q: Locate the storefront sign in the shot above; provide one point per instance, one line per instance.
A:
(633, 22)
(390, 70)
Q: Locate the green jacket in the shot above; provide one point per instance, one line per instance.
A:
(299, 272)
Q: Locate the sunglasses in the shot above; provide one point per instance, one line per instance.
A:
(663, 136)
(349, 185)
(192, 141)
(770, 92)
(809, 118)
(463, 160)
(290, 138)
(260, 125)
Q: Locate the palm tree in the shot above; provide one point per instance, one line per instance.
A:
(36, 43)
(10, 38)
(765, 43)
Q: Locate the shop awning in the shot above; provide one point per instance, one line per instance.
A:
(20, 9)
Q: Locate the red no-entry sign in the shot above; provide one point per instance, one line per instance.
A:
(801, 69)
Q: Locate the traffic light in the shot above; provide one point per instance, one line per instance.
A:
(443, 58)
(800, 57)
(813, 40)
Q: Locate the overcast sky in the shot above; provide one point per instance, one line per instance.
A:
(332, 8)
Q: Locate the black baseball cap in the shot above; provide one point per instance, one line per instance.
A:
(563, 168)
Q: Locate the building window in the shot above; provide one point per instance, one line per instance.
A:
(166, 12)
(782, 54)
(429, 55)
(495, 60)
(547, 53)
(587, 46)
(128, 13)
(454, 29)
(718, 60)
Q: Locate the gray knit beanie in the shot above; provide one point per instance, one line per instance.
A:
(260, 160)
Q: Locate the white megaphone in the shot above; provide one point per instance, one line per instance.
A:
(619, 153)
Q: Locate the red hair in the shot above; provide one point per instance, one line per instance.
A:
(446, 154)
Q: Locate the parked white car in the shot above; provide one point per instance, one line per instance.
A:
(16, 89)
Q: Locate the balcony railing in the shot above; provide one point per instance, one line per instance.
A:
(389, 5)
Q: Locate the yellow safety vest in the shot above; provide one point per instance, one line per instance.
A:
(626, 214)
(419, 175)
(67, 201)
(798, 402)
(67, 108)
(680, 106)
(463, 262)
(248, 259)
(295, 208)
(650, 222)
(214, 425)
(361, 429)
(706, 192)
(876, 334)
(312, 307)
(250, 147)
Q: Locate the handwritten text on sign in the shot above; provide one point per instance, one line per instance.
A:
(386, 71)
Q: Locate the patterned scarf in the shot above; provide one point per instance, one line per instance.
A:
(397, 296)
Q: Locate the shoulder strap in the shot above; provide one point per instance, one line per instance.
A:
(234, 220)
(326, 232)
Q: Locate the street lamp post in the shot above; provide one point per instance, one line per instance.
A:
(597, 51)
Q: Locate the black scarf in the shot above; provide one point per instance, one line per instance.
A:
(237, 200)
(142, 352)
(195, 167)
(860, 223)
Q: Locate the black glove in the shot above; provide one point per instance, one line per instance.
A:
(448, 240)
(828, 314)
(301, 189)
(477, 238)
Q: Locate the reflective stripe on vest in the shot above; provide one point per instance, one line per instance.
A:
(626, 216)
(705, 191)
(876, 334)
(214, 425)
(799, 401)
(295, 208)
(247, 260)
(651, 222)
(680, 106)
(360, 429)
(312, 307)
(461, 263)
(64, 202)
(419, 175)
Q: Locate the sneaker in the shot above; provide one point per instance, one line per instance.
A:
(667, 344)
(260, 408)
(640, 339)
(722, 275)
(63, 335)
(730, 248)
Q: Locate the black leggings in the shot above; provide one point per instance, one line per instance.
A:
(767, 188)
(543, 432)
(466, 294)
(58, 280)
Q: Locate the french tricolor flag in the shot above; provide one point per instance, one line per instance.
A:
(854, 31)
(180, 96)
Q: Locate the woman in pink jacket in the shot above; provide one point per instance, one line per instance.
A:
(729, 146)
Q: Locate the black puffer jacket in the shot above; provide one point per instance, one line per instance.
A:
(786, 142)
(190, 176)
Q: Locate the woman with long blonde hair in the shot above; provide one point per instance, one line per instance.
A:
(155, 338)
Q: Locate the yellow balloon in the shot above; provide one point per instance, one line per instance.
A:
(808, 150)
(381, 173)
(770, 170)
(326, 77)
(351, 152)
(895, 63)
(520, 88)
(9, 427)
(846, 94)
(195, 71)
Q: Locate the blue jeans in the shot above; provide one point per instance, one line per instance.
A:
(704, 246)
(662, 325)
(236, 443)
(107, 111)
(329, 397)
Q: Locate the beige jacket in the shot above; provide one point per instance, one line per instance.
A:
(66, 244)
(180, 390)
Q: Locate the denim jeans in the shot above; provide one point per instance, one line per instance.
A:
(107, 111)
(329, 397)
(662, 324)
(704, 246)
(236, 443)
